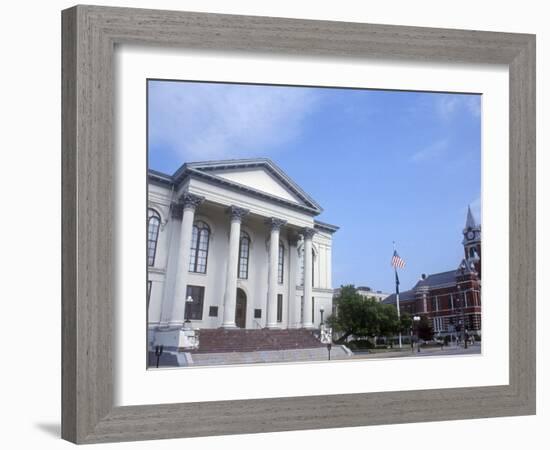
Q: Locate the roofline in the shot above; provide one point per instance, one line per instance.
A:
(188, 170)
(160, 177)
(393, 300)
(325, 226)
(193, 173)
(255, 162)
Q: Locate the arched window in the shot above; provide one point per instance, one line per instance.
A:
(281, 266)
(312, 267)
(244, 255)
(153, 225)
(199, 247)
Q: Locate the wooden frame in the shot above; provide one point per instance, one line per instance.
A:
(89, 36)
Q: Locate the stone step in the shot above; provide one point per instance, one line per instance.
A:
(229, 341)
(273, 356)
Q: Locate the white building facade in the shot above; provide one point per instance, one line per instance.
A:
(235, 244)
(366, 292)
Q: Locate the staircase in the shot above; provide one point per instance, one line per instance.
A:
(229, 340)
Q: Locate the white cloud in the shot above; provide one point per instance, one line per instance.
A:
(473, 104)
(449, 104)
(430, 152)
(199, 121)
(475, 206)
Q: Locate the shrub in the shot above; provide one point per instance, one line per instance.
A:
(361, 344)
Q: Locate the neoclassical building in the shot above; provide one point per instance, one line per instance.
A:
(235, 244)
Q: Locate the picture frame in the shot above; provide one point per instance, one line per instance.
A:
(90, 34)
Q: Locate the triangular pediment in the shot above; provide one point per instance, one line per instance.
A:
(256, 175)
(261, 180)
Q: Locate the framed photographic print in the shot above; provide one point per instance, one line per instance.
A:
(248, 200)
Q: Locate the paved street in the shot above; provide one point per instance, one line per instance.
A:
(430, 351)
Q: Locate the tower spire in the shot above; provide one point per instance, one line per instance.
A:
(470, 221)
(472, 242)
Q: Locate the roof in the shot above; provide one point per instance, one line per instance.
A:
(403, 297)
(209, 170)
(431, 281)
(323, 226)
(437, 279)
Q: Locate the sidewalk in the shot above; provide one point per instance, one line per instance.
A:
(406, 352)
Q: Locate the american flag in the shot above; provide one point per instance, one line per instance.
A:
(397, 261)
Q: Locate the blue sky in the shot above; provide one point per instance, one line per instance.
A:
(384, 165)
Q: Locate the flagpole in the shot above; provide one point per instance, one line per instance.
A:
(397, 302)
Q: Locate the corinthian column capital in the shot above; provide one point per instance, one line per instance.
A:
(237, 213)
(190, 201)
(186, 201)
(274, 223)
(308, 232)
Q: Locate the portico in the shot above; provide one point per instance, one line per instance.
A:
(217, 228)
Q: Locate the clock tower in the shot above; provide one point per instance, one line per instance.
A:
(472, 242)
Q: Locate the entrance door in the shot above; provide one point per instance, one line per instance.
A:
(240, 310)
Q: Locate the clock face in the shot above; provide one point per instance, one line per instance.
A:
(470, 235)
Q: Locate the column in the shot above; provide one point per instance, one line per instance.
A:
(294, 303)
(189, 203)
(230, 295)
(272, 283)
(308, 265)
(174, 227)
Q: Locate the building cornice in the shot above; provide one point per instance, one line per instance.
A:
(323, 226)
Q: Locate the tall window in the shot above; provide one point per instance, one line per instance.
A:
(279, 307)
(312, 268)
(193, 310)
(153, 225)
(281, 267)
(199, 247)
(149, 286)
(438, 324)
(244, 255)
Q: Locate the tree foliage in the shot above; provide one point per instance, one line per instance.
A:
(425, 331)
(365, 317)
(405, 322)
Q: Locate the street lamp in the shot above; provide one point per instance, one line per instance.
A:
(159, 349)
(463, 288)
(187, 323)
(416, 319)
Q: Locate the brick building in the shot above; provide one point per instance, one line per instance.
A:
(450, 298)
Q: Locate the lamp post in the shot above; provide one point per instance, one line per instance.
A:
(187, 323)
(415, 320)
(159, 349)
(322, 310)
(463, 288)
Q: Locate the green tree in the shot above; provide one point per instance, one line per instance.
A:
(425, 331)
(389, 323)
(355, 315)
(405, 323)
